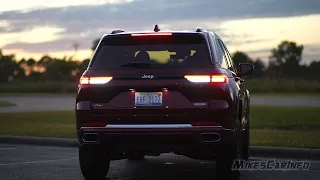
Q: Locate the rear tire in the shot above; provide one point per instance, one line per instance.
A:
(134, 156)
(94, 163)
(245, 141)
(226, 156)
(224, 164)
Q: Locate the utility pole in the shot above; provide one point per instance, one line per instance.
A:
(75, 46)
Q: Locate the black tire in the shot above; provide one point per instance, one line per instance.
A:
(224, 164)
(224, 171)
(245, 141)
(226, 156)
(136, 156)
(94, 163)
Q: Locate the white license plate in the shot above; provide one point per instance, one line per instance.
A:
(148, 98)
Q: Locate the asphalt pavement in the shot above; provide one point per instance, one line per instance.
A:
(67, 102)
(24, 103)
(26, 162)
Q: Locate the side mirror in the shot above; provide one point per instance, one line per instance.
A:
(246, 69)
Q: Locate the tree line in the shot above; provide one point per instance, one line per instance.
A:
(284, 62)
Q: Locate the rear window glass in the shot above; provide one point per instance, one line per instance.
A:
(163, 51)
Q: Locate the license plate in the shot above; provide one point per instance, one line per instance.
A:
(148, 98)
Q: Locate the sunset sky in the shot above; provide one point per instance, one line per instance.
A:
(32, 28)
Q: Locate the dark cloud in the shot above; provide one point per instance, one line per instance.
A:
(93, 21)
(137, 13)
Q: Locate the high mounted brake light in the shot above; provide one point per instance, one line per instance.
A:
(152, 34)
(207, 78)
(155, 33)
(94, 80)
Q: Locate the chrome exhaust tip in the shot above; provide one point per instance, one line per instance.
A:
(90, 138)
(210, 137)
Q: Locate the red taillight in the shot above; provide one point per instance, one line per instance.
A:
(94, 80)
(94, 124)
(207, 78)
(197, 78)
(84, 80)
(205, 124)
(219, 78)
(152, 34)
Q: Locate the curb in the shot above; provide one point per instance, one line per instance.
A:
(285, 152)
(256, 151)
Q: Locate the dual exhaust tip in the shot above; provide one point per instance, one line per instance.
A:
(210, 137)
(90, 138)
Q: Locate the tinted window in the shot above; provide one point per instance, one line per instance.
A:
(231, 66)
(160, 51)
(222, 56)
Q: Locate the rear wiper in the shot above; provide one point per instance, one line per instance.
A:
(136, 65)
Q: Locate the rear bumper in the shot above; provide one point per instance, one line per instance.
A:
(173, 137)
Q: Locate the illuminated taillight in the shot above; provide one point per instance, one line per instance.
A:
(84, 80)
(152, 34)
(94, 124)
(94, 80)
(195, 78)
(219, 78)
(205, 124)
(207, 78)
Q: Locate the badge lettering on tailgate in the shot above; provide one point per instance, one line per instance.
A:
(147, 76)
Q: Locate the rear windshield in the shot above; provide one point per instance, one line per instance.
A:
(162, 51)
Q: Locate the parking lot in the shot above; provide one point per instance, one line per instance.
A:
(47, 162)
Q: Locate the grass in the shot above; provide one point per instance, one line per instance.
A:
(284, 138)
(36, 94)
(270, 126)
(285, 118)
(284, 94)
(283, 86)
(46, 124)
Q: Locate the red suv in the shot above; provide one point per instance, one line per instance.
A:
(147, 93)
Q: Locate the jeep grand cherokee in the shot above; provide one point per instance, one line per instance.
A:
(147, 93)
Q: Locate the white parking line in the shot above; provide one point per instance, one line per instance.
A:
(4, 149)
(36, 162)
